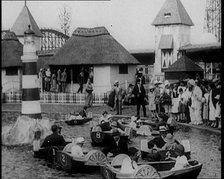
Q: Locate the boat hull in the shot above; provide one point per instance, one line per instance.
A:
(78, 121)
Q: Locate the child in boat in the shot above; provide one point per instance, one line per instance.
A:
(104, 118)
(181, 160)
(69, 146)
(76, 150)
(171, 123)
(170, 142)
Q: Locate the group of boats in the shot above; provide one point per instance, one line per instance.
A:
(111, 167)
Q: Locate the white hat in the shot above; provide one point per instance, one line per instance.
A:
(151, 86)
(80, 140)
(217, 96)
(191, 82)
(116, 82)
(162, 128)
(133, 118)
(166, 82)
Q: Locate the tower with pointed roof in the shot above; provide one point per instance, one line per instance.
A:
(172, 30)
(24, 19)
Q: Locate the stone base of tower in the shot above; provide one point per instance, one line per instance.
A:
(22, 132)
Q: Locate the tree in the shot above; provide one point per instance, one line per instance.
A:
(65, 17)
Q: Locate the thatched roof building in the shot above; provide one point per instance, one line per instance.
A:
(12, 50)
(92, 46)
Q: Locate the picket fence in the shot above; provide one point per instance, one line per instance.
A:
(49, 97)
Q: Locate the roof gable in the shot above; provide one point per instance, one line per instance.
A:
(172, 12)
(92, 46)
(24, 19)
(183, 64)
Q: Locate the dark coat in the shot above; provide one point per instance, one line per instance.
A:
(111, 99)
(158, 141)
(139, 96)
(115, 149)
(54, 140)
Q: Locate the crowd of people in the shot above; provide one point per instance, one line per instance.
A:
(52, 81)
(191, 101)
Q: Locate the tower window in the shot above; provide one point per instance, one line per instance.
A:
(166, 15)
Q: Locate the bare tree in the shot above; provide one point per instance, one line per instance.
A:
(65, 18)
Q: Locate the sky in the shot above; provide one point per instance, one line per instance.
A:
(128, 21)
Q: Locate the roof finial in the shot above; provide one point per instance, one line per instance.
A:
(25, 2)
(29, 27)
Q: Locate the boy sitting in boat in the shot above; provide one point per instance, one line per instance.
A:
(55, 139)
(181, 160)
(104, 118)
(76, 149)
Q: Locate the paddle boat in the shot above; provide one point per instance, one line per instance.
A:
(89, 163)
(118, 169)
(160, 169)
(76, 119)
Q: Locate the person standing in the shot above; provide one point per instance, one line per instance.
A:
(139, 92)
(59, 80)
(89, 91)
(48, 79)
(53, 83)
(196, 105)
(63, 80)
(166, 97)
(81, 81)
(118, 97)
(151, 99)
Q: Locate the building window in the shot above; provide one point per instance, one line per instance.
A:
(11, 71)
(167, 15)
(167, 58)
(123, 69)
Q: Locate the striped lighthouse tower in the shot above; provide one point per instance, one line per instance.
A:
(30, 93)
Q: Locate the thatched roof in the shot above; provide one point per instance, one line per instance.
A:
(93, 46)
(12, 50)
(172, 12)
(24, 19)
(183, 64)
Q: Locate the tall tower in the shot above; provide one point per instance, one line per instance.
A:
(212, 20)
(24, 19)
(172, 30)
(30, 92)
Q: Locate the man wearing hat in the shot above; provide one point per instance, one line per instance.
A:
(117, 146)
(196, 103)
(140, 96)
(159, 141)
(54, 139)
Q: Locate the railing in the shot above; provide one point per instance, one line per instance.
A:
(48, 97)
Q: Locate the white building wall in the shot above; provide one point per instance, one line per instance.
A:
(11, 83)
(101, 79)
(130, 77)
(181, 37)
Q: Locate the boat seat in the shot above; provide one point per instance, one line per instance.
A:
(117, 161)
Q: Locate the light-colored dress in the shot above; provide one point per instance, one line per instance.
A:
(76, 151)
(175, 103)
(211, 108)
(181, 162)
(151, 97)
(205, 106)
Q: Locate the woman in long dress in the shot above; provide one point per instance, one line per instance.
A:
(211, 105)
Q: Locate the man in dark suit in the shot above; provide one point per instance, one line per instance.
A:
(117, 146)
(55, 139)
(139, 92)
